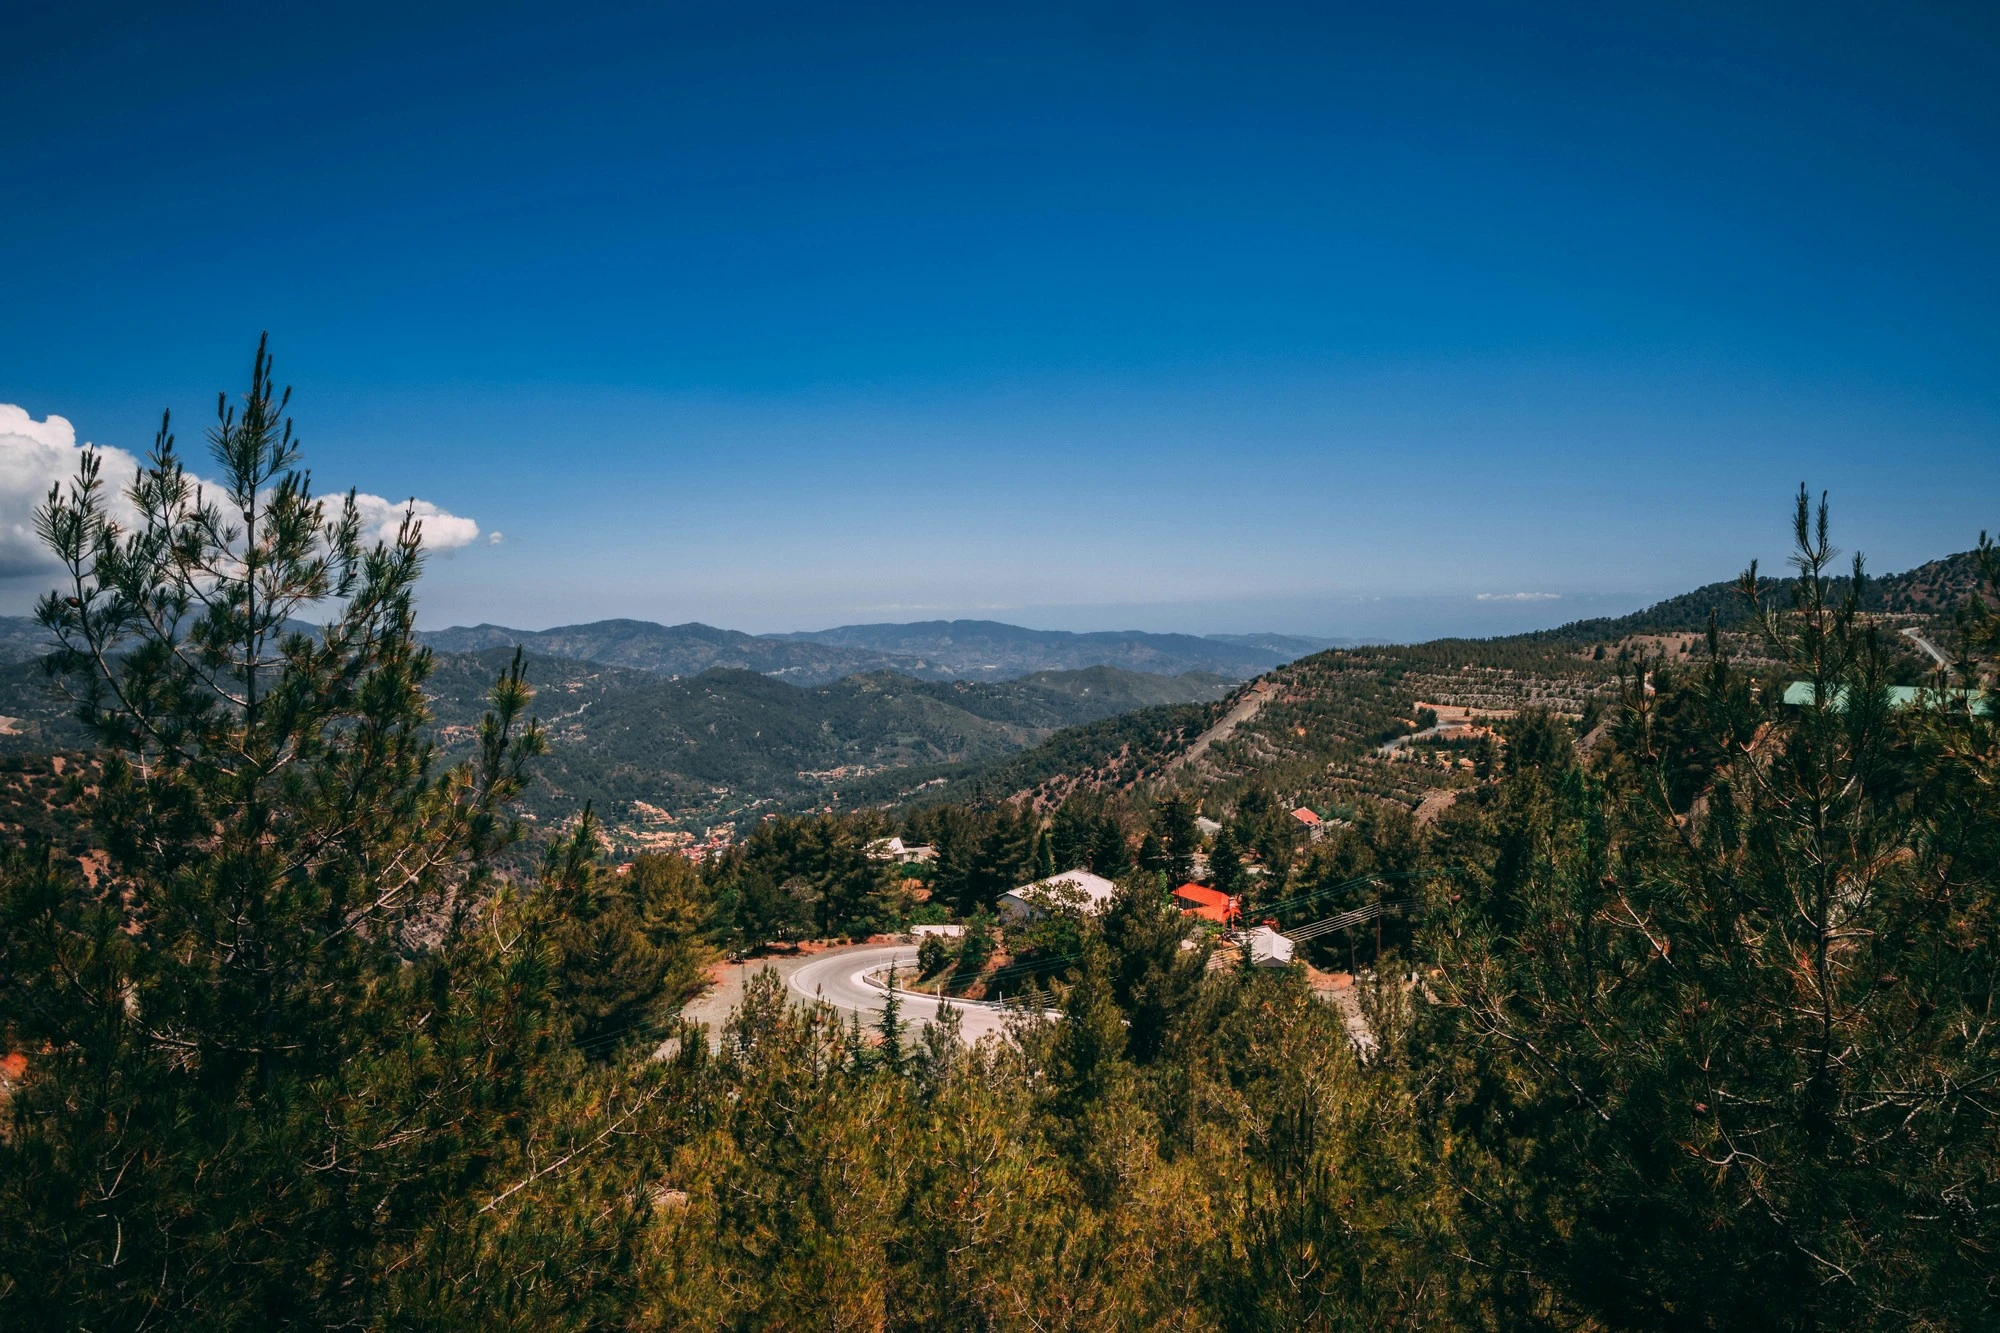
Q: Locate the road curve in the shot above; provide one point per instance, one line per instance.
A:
(1916, 635)
(840, 980)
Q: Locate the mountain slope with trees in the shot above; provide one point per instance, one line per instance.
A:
(930, 650)
(676, 650)
(1932, 588)
(1320, 734)
(990, 650)
(714, 746)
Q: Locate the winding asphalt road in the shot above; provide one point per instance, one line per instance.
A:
(1916, 636)
(841, 979)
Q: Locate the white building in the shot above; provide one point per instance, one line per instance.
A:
(895, 849)
(1268, 948)
(1089, 893)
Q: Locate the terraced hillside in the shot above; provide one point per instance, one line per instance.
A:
(1314, 729)
(1353, 723)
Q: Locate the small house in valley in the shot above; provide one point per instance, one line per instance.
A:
(1079, 889)
(902, 853)
(1268, 948)
(1209, 904)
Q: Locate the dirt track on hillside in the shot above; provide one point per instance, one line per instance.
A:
(1260, 694)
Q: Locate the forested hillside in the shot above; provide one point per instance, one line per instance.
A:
(989, 650)
(930, 650)
(1110, 754)
(718, 746)
(678, 650)
(1345, 723)
(1931, 589)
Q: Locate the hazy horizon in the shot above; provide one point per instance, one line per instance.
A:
(1374, 618)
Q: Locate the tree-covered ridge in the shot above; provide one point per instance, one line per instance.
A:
(978, 650)
(1934, 588)
(717, 745)
(1320, 733)
(618, 736)
(684, 650)
(990, 650)
(1109, 755)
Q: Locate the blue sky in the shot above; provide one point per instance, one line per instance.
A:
(1461, 318)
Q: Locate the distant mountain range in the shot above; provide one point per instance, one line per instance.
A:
(703, 724)
(678, 650)
(721, 743)
(935, 650)
(990, 650)
(1289, 645)
(928, 650)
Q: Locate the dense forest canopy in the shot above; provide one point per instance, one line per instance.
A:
(1679, 1014)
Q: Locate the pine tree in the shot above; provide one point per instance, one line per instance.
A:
(1718, 988)
(891, 1027)
(1225, 867)
(1045, 860)
(1173, 822)
(1069, 836)
(1153, 979)
(632, 944)
(224, 1029)
(1110, 854)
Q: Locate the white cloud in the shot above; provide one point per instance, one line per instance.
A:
(442, 532)
(1520, 596)
(494, 538)
(35, 455)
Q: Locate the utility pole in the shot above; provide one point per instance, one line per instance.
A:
(1378, 925)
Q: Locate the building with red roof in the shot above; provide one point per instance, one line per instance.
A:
(1208, 904)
